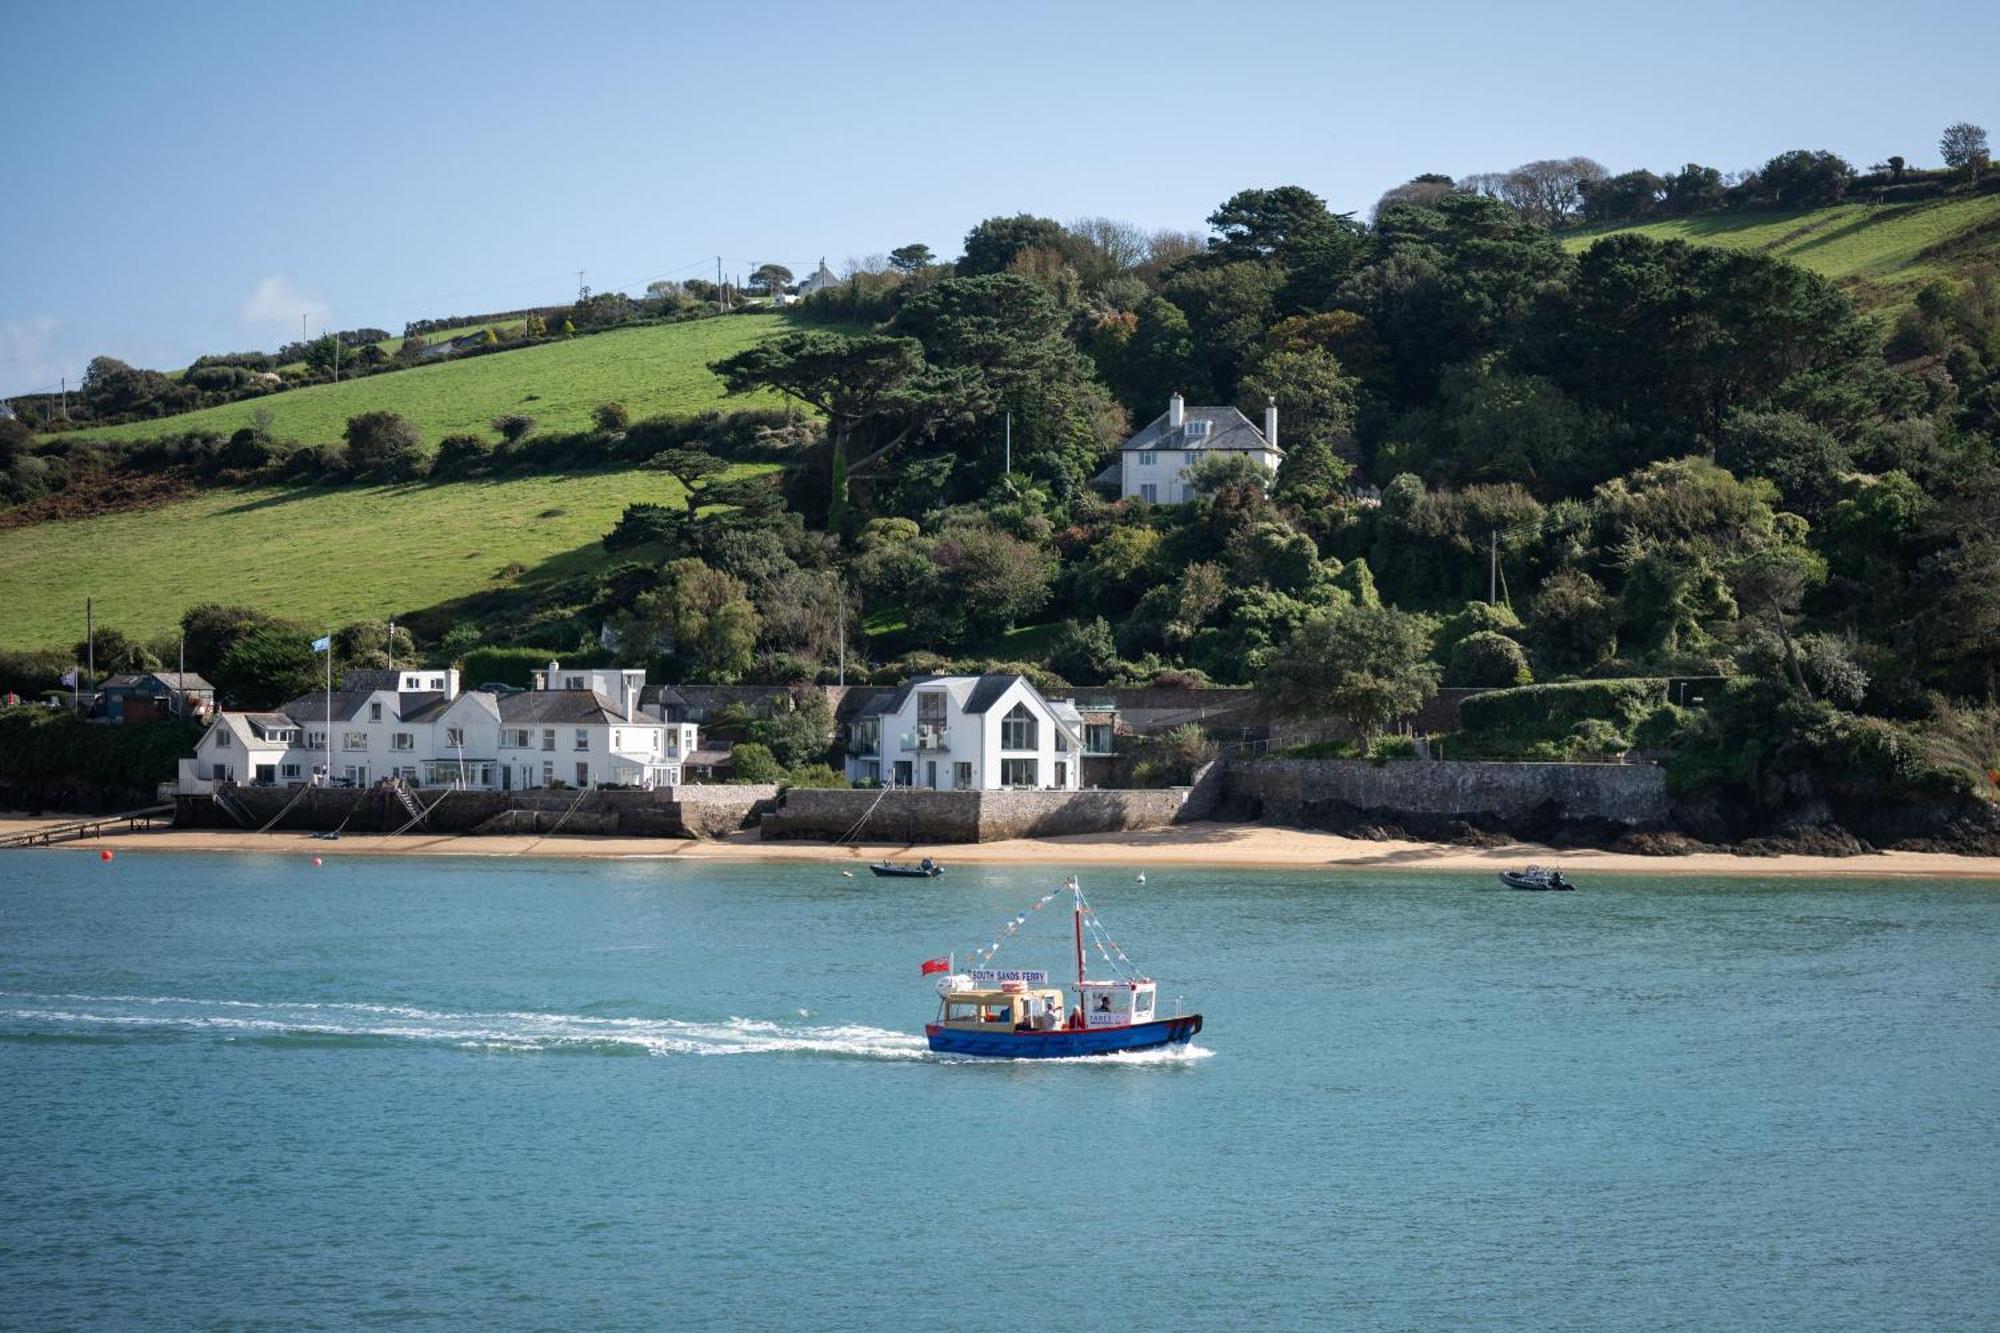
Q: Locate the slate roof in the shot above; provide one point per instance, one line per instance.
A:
(173, 680)
(1227, 429)
(545, 706)
(370, 678)
(308, 709)
(985, 692)
(423, 707)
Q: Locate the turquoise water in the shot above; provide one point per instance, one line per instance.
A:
(445, 1093)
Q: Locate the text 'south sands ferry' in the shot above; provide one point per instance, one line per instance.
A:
(1013, 1013)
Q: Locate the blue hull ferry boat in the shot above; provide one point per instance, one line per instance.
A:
(1015, 1014)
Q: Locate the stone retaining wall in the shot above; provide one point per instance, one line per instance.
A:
(692, 811)
(916, 816)
(1296, 791)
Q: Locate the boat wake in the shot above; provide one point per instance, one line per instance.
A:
(136, 1017)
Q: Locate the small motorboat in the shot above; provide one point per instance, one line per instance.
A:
(1536, 878)
(924, 869)
(1015, 1014)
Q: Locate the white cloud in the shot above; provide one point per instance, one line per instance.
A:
(277, 301)
(28, 358)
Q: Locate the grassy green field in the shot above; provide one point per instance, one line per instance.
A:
(663, 368)
(320, 556)
(1875, 249)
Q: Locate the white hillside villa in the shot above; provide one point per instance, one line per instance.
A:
(954, 733)
(1153, 465)
(576, 727)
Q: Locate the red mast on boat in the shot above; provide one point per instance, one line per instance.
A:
(1076, 890)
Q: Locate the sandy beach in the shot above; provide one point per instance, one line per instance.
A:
(1200, 844)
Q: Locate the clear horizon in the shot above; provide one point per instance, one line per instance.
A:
(201, 179)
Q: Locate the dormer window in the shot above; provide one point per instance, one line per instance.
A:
(375, 712)
(1197, 430)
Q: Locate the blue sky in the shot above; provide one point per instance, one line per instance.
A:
(191, 178)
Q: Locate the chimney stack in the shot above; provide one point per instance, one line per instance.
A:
(1176, 411)
(1271, 421)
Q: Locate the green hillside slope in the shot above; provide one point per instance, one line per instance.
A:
(1882, 253)
(321, 556)
(663, 368)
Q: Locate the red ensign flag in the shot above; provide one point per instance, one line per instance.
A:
(936, 965)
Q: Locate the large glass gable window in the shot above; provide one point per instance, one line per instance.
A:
(1017, 729)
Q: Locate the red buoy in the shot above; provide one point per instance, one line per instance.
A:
(316, 860)
(104, 855)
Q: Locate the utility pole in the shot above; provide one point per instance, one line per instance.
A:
(336, 358)
(180, 699)
(65, 397)
(1010, 444)
(582, 292)
(302, 330)
(1493, 568)
(90, 642)
(718, 284)
(843, 634)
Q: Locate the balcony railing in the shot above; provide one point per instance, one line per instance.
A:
(929, 740)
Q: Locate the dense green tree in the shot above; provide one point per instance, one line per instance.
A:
(913, 258)
(699, 620)
(1963, 147)
(1671, 336)
(878, 393)
(1572, 623)
(1360, 666)
(1805, 460)
(1084, 652)
(1804, 178)
(384, 444)
(1693, 189)
(799, 729)
(1486, 660)
(266, 666)
(993, 245)
(1315, 397)
(1446, 284)
(752, 762)
(770, 278)
(1228, 308)
(1158, 360)
(1624, 197)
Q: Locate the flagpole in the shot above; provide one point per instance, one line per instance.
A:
(329, 706)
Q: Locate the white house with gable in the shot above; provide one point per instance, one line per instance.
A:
(1154, 464)
(957, 733)
(575, 728)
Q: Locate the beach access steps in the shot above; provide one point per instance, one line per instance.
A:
(132, 821)
(410, 806)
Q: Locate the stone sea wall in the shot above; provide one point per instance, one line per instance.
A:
(692, 811)
(915, 816)
(1307, 791)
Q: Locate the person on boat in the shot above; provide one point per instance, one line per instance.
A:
(1104, 1004)
(925, 864)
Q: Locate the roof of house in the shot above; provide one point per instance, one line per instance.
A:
(370, 678)
(423, 707)
(263, 723)
(173, 680)
(310, 708)
(558, 706)
(706, 758)
(983, 692)
(1227, 429)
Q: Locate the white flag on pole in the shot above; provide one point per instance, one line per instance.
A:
(321, 645)
(69, 677)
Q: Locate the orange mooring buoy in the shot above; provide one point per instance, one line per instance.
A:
(104, 855)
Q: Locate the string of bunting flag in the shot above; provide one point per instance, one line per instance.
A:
(980, 957)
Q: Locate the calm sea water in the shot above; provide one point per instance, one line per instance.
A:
(242, 1092)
